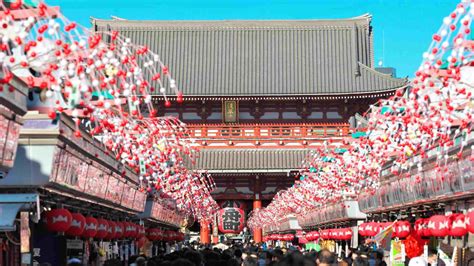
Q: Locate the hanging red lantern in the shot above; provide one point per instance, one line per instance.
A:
(372, 229)
(77, 225)
(315, 235)
(102, 228)
(110, 230)
(363, 229)
(90, 229)
(324, 234)
(165, 235)
(335, 234)
(119, 230)
(458, 225)
(129, 229)
(439, 225)
(231, 220)
(470, 225)
(141, 231)
(419, 227)
(401, 229)
(159, 233)
(151, 234)
(346, 234)
(58, 220)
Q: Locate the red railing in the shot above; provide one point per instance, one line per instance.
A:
(268, 131)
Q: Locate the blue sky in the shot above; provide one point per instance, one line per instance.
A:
(402, 28)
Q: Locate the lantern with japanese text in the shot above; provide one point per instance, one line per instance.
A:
(372, 229)
(458, 225)
(439, 225)
(470, 225)
(58, 220)
(152, 234)
(421, 228)
(314, 235)
(363, 229)
(231, 220)
(110, 230)
(130, 230)
(346, 234)
(401, 229)
(289, 237)
(119, 230)
(102, 228)
(325, 234)
(77, 225)
(90, 229)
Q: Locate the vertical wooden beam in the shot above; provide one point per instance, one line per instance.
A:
(257, 232)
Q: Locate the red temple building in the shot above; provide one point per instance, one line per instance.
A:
(260, 94)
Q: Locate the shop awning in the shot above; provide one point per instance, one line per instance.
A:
(10, 205)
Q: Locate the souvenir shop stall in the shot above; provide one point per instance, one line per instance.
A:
(12, 108)
(81, 200)
(432, 204)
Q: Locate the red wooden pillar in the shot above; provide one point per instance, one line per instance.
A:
(257, 232)
(215, 231)
(204, 234)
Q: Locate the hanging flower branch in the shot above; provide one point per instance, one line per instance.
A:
(98, 78)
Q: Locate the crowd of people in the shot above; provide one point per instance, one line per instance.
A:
(253, 255)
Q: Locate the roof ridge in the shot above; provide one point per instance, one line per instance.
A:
(365, 16)
(383, 75)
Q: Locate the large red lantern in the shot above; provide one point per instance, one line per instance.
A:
(110, 230)
(439, 225)
(102, 228)
(119, 230)
(470, 225)
(77, 225)
(401, 229)
(458, 225)
(231, 220)
(58, 220)
(91, 227)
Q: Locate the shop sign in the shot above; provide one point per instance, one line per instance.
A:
(140, 200)
(72, 171)
(128, 196)
(115, 189)
(74, 244)
(96, 181)
(467, 174)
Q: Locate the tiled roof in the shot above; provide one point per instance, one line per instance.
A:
(250, 159)
(263, 58)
